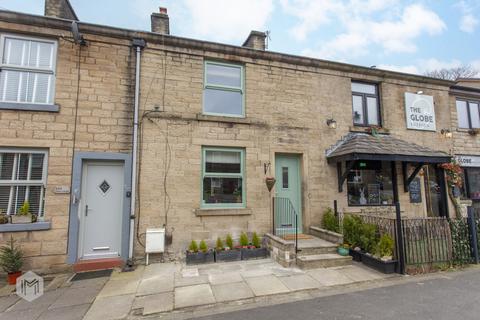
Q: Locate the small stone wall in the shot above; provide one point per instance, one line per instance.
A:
(282, 251)
(326, 235)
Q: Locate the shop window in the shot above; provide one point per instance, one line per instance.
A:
(22, 179)
(27, 70)
(223, 178)
(468, 113)
(369, 183)
(472, 183)
(365, 104)
(223, 90)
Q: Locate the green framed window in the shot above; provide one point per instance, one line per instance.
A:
(223, 92)
(223, 182)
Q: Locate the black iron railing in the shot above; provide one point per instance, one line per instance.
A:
(285, 220)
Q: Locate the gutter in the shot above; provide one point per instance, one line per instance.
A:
(138, 45)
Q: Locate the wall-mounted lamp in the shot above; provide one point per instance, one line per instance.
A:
(446, 133)
(332, 123)
(420, 92)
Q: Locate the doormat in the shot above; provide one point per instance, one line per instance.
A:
(300, 236)
(91, 275)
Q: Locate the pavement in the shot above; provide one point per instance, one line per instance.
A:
(173, 289)
(441, 296)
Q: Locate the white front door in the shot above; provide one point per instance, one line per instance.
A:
(101, 210)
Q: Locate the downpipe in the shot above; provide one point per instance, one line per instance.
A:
(138, 44)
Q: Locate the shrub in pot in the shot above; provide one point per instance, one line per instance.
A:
(382, 260)
(198, 254)
(343, 250)
(23, 214)
(252, 250)
(4, 219)
(225, 254)
(351, 234)
(11, 261)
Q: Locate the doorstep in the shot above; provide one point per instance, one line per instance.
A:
(97, 264)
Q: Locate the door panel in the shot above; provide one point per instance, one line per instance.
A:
(288, 185)
(101, 210)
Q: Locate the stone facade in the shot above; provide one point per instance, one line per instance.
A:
(287, 103)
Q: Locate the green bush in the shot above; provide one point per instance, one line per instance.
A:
(368, 237)
(24, 209)
(351, 230)
(203, 246)
(385, 246)
(243, 239)
(229, 241)
(193, 247)
(329, 221)
(255, 240)
(219, 244)
(11, 257)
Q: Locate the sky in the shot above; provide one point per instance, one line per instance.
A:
(400, 35)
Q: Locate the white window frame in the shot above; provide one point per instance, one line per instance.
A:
(52, 71)
(16, 182)
(240, 89)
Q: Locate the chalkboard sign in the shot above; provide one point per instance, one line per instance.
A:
(415, 191)
(373, 194)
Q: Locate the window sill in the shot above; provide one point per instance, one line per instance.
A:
(366, 129)
(226, 119)
(19, 227)
(29, 107)
(210, 212)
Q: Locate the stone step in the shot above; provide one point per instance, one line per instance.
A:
(310, 251)
(325, 260)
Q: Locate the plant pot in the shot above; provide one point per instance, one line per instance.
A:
(343, 251)
(21, 218)
(228, 255)
(254, 253)
(386, 267)
(356, 255)
(12, 277)
(200, 257)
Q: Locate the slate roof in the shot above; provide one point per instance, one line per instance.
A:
(363, 146)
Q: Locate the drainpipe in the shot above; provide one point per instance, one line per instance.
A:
(138, 45)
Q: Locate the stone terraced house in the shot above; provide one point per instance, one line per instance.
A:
(206, 124)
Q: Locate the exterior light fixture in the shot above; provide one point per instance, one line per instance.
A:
(420, 92)
(332, 123)
(446, 133)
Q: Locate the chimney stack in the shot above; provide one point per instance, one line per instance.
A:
(160, 22)
(60, 9)
(256, 40)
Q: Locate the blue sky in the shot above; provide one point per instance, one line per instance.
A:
(402, 35)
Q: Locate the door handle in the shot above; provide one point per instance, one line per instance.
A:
(86, 210)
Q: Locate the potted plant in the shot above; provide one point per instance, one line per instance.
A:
(382, 260)
(11, 261)
(3, 218)
(198, 254)
(252, 250)
(23, 214)
(351, 235)
(343, 249)
(226, 253)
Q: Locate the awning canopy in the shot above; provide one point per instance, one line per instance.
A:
(363, 146)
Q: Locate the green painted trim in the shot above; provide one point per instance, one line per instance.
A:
(216, 174)
(240, 89)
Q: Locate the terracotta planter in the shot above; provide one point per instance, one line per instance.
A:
(12, 277)
(21, 218)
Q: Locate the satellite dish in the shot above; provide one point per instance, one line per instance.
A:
(77, 36)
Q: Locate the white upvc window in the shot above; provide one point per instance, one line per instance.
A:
(23, 177)
(27, 68)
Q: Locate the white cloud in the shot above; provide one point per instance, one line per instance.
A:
(405, 69)
(435, 64)
(468, 23)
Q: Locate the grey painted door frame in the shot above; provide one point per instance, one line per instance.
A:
(74, 222)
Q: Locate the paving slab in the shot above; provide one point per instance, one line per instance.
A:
(157, 303)
(6, 290)
(157, 284)
(119, 287)
(329, 277)
(357, 273)
(8, 301)
(97, 283)
(110, 308)
(195, 295)
(232, 291)
(256, 272)
(41, 303)
(267, 285)
(130, 275)
(300, 282)
(158, 269)
(27, 314)
(66, 313)
(74, 297)
(190, 281)
(230, 277)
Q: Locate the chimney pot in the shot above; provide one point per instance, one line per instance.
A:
(160, 21)
(256, 40)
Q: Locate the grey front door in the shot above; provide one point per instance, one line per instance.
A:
(101, 210)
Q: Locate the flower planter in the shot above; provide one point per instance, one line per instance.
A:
(343, 251)
(12, 277)
(254, 253)
(386, 267)
(356, 255)
(228, 255)
(21, 218)
(200, 257)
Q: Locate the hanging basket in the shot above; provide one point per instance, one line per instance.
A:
(270, 182)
